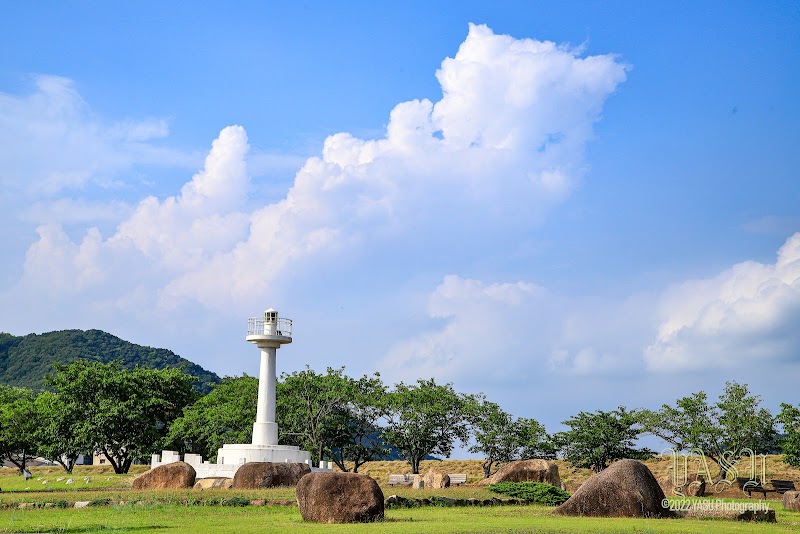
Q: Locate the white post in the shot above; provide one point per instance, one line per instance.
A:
(265, 429)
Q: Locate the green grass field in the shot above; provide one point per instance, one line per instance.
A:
(506, 519)
(178, 511)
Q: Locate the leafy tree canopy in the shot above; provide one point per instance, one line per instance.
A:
(124, 414)
(599, 438)
(722, 431)
(790, 419)
(500, 438)
(425, 418)
(18, 422)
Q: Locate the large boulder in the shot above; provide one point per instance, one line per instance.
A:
(334, 497)
(436, 479)
(213, 483)
(625, 489)
(791, 501)
(258, 475)
(177, 475)
(528, 471)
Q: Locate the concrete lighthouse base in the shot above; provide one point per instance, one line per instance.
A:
(246, 452)
(233, 456)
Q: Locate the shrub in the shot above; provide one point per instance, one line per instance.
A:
(537, 492)
(99, 502)
(236, 501)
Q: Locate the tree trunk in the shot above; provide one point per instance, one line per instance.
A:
(339, 461)
(487, 468)
(20, 464)
(358, 462)
(415, 465)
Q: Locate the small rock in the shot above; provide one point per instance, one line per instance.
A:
(213, 482)
(766, 516)
(59, 479)
(436, 479)
(81, 504)
(791, 501)
(69, 481)
(258, 502)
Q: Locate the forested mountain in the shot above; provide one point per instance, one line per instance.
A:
(26, 360)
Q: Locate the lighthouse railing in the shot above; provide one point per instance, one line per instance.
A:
(256, 327)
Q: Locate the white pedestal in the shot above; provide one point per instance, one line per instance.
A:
(233, 454)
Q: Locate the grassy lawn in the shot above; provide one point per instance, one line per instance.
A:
(178, 511)
(55, 479)
(506, 519)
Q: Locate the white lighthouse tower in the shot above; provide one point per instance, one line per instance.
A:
(268, 333)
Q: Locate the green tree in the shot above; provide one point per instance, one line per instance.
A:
(597, 439)
(309, 405)
(722, 431)
(424, 418)
(690, 424)
(500, 438)
(125, 414)
(536, 442)
(789, 417)
(358, 438)
(18, 422)
(225, 415)
(57, 437)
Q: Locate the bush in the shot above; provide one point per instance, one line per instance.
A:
(236, 501)
(537, 492)
(99, 502)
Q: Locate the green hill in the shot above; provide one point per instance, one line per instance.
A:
(26, 360)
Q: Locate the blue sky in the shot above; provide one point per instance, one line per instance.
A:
(567, 206)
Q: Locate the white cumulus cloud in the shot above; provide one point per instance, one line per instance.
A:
(504, 143)
(491, 334)
(53, 142)
(747, 315)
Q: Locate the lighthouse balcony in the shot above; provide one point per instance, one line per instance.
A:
(279, 329)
